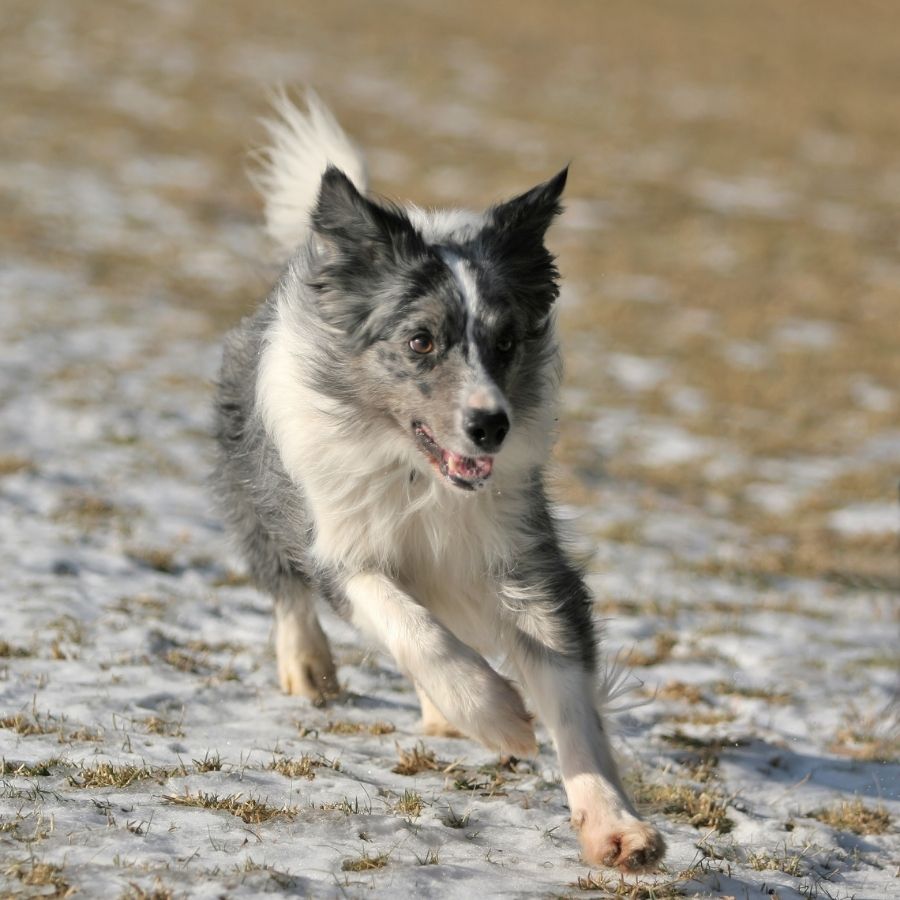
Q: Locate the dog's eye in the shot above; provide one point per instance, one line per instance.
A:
(505, 344)
(422, 343)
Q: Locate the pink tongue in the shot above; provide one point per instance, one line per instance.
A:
(469, 467)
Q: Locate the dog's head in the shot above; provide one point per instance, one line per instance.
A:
(443, 325)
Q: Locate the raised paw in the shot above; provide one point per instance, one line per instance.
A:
(500, 720)
(434, 722)
(627, 843)
(482, 704)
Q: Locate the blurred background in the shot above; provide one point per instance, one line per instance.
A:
(730, 438)
(732, 306)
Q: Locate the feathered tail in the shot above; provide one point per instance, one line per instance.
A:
(302, 146)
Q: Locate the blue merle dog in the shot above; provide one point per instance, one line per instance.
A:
(384, 422)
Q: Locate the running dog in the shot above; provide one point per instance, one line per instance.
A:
(384, 422)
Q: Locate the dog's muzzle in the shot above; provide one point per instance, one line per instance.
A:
(466, 472)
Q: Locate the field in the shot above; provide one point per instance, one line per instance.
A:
(730, 444)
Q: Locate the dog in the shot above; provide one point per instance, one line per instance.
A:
(384, 422)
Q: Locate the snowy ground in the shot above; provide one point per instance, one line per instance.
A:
(145, 749)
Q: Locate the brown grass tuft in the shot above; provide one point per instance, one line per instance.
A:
(415, 760)
(37, 874)
(701, 808)
(365, 863)
(854, 816)
(251, 810)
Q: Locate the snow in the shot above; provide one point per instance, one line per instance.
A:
(637, 373)
(866, 518)
(131, 643)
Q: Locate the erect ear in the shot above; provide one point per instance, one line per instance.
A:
(350, 223)
(531, 213)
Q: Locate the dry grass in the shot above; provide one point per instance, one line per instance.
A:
(160, 725)
(106, 774)
(88, 510)
(9, 465)
(854, 816)
(770, 695)
(409, 804)
(160, 559)
(683, 802)
(679, 690)
(47, 877)
(11, 651)
(31, 770)
(415, 760)
(158, 891)
(366, 862)
(790, 863)
(871, 738)
(211, 762)
(27, 725)
(375, 728)
(185, 662)
(302, 767)
(614, 885)
(453, 820)
(249, 809)
(663, 645)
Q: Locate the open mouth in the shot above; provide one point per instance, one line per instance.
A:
(466, 472)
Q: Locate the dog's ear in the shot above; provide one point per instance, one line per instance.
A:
(529, 215)
(350, 225)
(363, 245)
(513, 241)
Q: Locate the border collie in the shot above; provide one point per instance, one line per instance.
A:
(384, 422)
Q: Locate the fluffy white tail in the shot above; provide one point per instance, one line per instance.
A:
(302, 146)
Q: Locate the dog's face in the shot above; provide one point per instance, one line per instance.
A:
(450, 340)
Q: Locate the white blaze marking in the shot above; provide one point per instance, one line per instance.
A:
(465, 278)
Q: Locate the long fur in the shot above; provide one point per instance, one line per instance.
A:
(384, 422)
(302, 147)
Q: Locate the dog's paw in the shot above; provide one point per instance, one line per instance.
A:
(434, 722)
(305, 666)
(313, 677)
(626, 843)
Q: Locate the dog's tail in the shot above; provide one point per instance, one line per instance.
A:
(302, 146)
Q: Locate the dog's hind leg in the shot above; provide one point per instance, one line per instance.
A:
(305, 665)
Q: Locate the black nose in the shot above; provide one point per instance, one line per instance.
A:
(487, 428)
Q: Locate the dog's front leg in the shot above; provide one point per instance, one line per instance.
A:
(609, 828)
(459, 682)
(552, 646)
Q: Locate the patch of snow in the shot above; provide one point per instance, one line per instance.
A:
(866, 518)
(809, 334)
(661, 444)
(749, 355)
(687, 401)
(872, 396)
(637, 288)
(777, 499)
(637, 373)
(696, 102)
(750, 194)
(585, 215)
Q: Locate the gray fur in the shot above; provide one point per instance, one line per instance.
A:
(358, 363)
(384, 423)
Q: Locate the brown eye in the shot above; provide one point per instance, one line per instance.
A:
(422, 343)
(505, 344)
